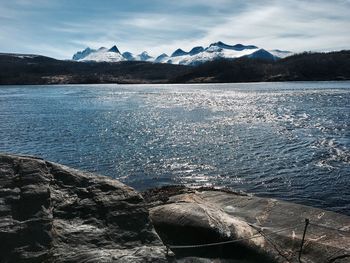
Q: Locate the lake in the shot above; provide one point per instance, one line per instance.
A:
(282, 140)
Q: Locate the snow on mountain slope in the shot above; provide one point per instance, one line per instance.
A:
(237, 47)
(22, 56)
(214, 51)
(82, 54)
(195, 56)
(104, 57)
(179, 52)
(129, 56)
(144, 57)
(163, 58)
(101, 55)
(281, 53)
(196, 50)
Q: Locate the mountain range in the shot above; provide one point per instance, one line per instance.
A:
(197, 55)
(18, 69)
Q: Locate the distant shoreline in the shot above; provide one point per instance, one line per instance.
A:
(167, 83)
(40, 70)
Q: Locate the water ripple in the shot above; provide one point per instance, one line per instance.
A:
(285, 140)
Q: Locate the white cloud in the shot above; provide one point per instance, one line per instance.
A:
(295, 25)
(291, 25)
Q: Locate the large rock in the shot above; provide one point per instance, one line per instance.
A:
(184, 216)
(51, 213)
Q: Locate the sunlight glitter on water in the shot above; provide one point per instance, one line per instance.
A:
(284, 140)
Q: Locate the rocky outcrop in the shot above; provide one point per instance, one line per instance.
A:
(267, 230)
(51, 213)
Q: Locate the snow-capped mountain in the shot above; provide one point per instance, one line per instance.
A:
(163, 58)
(80, 55)
(100, 55)
(144, 57)
(195, 56)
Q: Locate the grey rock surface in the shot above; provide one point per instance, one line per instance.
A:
(51, 213)
(184, 216)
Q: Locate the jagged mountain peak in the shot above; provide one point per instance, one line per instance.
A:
(237, 47)
(128, 56)
(163, 55)
(262, 54)
(162, 58)
(144, 56)
(114, 49)
(219, 43)
(195, 56)
(82, 54)
(196, 50)
(179, 52)
(88, 49)
(100, 55)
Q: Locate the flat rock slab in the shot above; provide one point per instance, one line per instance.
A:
(51, 213)
(267, 230)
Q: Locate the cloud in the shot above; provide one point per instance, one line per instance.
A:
(292, 25)
(60, 27)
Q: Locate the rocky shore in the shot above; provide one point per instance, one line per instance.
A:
(268, 230)
(52, 213)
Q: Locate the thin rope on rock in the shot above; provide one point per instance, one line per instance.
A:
(262, 234)
(330, 228)
(231, 241)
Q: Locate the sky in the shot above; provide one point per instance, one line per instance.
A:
(59, 28)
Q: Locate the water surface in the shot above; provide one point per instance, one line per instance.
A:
(282, 140)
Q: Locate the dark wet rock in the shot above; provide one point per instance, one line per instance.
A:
(51, 213)
(184, 216)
